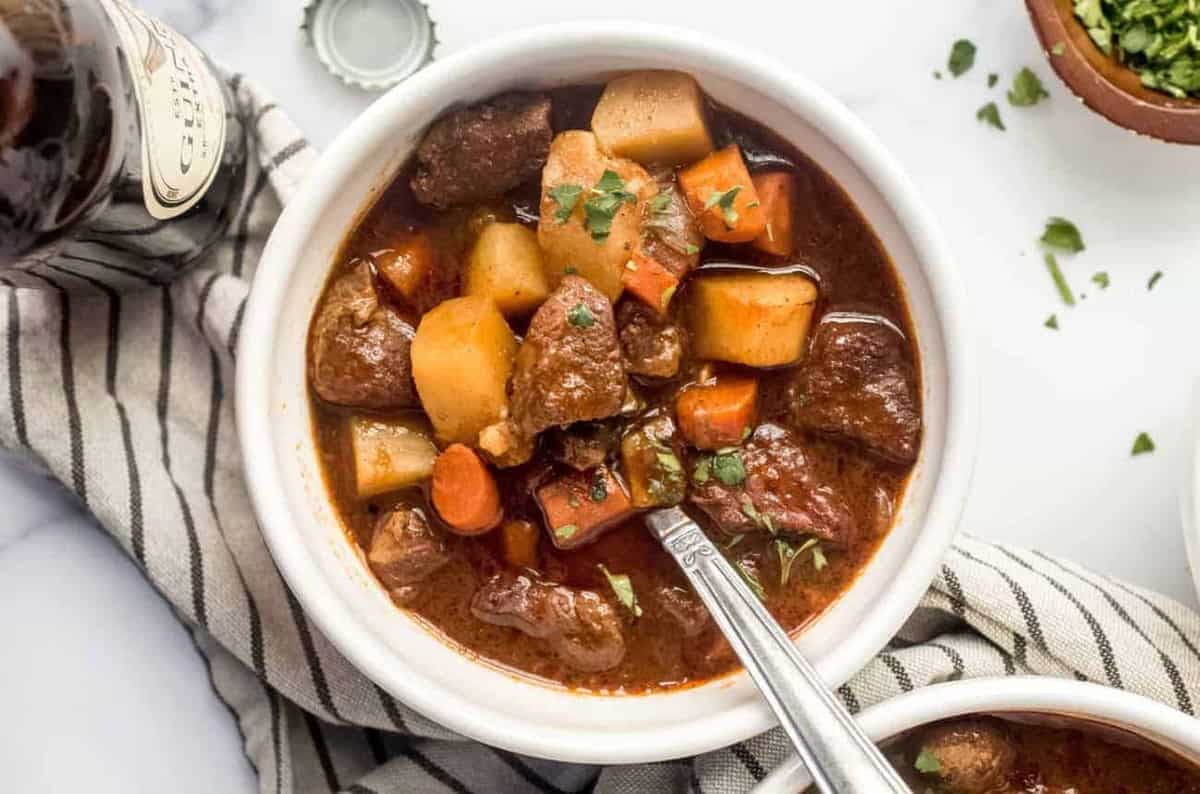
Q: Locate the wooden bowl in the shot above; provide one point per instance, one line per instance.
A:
(1106, 86)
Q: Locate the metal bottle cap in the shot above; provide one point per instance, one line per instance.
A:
(373, 44)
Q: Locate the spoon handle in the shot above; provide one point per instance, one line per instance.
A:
(839, 756)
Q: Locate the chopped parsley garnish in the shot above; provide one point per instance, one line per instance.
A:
(580, 316)
(728, 468)
(1058, 49)
(818, 555)
(736, 539)
(962, 57)
(724, 202)
(993, 78)
(570, 270)
(1101, 279)
(692, 249)
(751, 581)
(1052, 322)
(573, 500)
(1154, 279)
(1060, 281)
(990, 114)
(1061, 233)
(1142, 444)
(599, 490)
(937, 74)
(607, 197)
(927, 763)
(566, 196)
(622, 588)
(565, 531)
(660, 203)
(668, 461)
(1157, 39)
(702, 472)
(1026, 89)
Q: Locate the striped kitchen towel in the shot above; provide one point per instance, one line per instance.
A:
(126, 399)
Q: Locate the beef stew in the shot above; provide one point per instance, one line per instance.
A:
(576, 305)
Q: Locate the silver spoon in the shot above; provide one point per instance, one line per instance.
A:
(839, 756)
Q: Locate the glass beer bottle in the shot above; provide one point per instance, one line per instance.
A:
(122, 160)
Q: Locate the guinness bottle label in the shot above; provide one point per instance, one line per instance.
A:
(181, 107)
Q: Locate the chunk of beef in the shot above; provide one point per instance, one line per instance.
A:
(585, 445)
(568, 368)
(975, 756)
(404, 549)
(360, 347)
(581, 627)
(482, 151)
(859, 384)
(671, 235)
(650, 345)
(780, 493)
(685, 609)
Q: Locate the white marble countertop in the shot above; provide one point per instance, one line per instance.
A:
(101, 688)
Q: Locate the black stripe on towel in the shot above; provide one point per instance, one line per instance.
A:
(392, 710)
(433, 770)
(276, 737)
(1182, 699)
(1163, 616)
(108, 265)
(66, 360)
(15, 395)
(315, 670)
(526, 772)
(322, 750)
(849, 698)
(112, 360)
(898, 670)
(1032, 625)
(955, 658)
(359, 788)
(242, 237)
(1107, 659)
(958, 602)
(196, 558)
(748, 759)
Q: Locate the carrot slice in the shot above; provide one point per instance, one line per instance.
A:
(717, 415)
(520, 542)
(775, 194)
(465, 494)
(579, 506)
(645, 278)
(407, 265)
(721, 195)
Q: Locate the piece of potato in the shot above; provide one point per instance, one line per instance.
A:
(756, 319)
(653, 117)
(462, 356)
(575, 159)
(506, 265)
(390, 454)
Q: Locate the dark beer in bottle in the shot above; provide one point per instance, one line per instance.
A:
(122, 160)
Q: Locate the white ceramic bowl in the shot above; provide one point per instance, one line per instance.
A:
(1189, 491)
(1158, 724)
(326, 572)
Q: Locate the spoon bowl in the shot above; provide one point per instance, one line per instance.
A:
(1106, 86)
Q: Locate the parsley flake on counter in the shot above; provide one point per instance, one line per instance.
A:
(1026, 89)
(566, 196)
(580, 316)
(1154, 279)
(1052, 322)
(937, 75)
(1101, 280)
(1061, 233)
(622, 588)
(1142, 444)
(927, 763)
(962, 57)
(1060, 281)
(990, 114)
(993, 78)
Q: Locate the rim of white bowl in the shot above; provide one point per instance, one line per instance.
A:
(822, 112)
(1148, 718)
(1189, 490)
